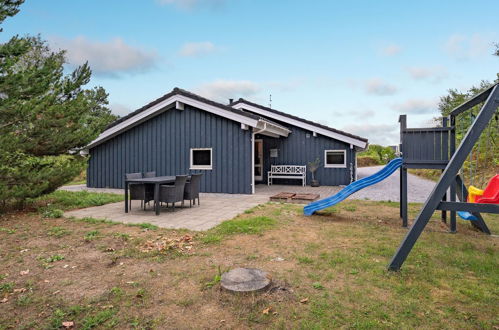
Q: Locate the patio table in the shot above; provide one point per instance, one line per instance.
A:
(157, 181)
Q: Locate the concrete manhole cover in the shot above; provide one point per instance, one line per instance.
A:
(245, 280)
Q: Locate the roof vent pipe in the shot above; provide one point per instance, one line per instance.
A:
(231, 100)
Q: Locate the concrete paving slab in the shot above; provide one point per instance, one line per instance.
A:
(214, 209)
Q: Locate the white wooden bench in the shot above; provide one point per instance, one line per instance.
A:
(287, 172)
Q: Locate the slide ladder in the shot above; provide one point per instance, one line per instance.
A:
(379, 176)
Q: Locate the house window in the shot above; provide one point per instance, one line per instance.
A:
(335, 158)
(201, 159)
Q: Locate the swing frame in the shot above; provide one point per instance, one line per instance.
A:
(450, 177)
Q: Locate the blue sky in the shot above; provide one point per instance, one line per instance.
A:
(353, 65)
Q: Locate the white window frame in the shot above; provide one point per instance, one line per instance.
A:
(201, 167)
(344, 165)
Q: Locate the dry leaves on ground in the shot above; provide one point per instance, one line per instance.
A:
(267, 310)
(182, 244)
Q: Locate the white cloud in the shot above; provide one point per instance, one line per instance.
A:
(196, 49)
(106, 58)
(191, 4)
(391, 50)
(383, 134)
(417, 106)
(379, 87)
(223, 90)
(119, 109)
(433, 74)
(465, 47)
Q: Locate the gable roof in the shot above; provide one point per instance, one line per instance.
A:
(177, 98)
(183, 92)
(243, 104)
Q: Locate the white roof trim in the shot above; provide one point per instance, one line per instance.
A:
(268, 127)
(160, 107)
(301, 124)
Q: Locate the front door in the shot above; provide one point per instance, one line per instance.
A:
(258, 160)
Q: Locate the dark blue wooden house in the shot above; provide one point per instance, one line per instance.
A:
(233, 145)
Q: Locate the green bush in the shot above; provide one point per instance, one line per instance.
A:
(379, 153)
(363, 161)
(25, 176)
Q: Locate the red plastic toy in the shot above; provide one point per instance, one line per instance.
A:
(491, 192)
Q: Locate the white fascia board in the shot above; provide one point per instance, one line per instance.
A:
(217, 111)
(312, 128)
(273, 129)
(277, 131)
(267, 133)
(158, 108)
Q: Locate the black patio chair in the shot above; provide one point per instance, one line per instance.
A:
(149, 187)
(173, 193)
(138, 191)
(192, 187)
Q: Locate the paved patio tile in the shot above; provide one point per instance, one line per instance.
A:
(214, 209)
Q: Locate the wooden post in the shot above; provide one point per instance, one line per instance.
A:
(444, 150)
(403, 172)
(453, 222)
(403, 195)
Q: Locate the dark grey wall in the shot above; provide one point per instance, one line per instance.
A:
(163, 143)
(298, 149)
(425, 145)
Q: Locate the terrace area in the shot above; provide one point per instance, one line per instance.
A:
(216, 208)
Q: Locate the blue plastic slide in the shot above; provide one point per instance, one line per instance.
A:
(467, 216)
(388, 170)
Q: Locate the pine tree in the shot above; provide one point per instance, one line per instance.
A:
(44, 115)
(9, 8)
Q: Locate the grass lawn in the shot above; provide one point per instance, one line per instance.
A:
(328, 270)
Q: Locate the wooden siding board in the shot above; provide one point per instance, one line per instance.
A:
(298, 149)
(211, 140)
(426, 145)
(163, 145)
(102, 164)
(445, 144)
(439, 145)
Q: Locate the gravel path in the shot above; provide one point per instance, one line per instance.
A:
(418, 189)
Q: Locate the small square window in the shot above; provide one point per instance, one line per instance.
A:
(335, 158)
(201, 158)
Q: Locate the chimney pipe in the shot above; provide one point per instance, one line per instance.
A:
(231, 100)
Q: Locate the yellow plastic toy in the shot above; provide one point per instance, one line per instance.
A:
(473, 193)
